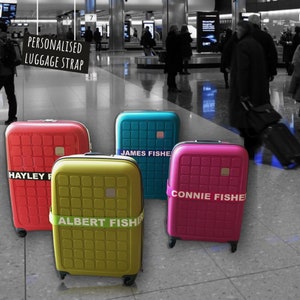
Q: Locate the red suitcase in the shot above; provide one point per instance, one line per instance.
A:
(32, 148)
(206, 192)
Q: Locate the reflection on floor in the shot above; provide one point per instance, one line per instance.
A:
(204, 93)
(267, 262)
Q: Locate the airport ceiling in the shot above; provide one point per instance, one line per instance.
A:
(49, 9)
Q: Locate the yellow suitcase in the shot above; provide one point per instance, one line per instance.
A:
(97, 216)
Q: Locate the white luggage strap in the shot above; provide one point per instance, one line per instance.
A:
(96, 222)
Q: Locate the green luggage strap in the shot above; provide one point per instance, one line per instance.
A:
(96, 222)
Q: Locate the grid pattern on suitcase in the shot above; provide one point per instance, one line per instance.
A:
(87, 248)
(36, 153)
(209, 219)
(156, 139)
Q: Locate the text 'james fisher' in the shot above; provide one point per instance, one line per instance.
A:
(144, 153)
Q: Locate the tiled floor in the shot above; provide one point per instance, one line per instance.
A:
(267, 262)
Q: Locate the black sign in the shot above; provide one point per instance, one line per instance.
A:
(151, 26)
(127, 31)
(7, 12)
(64, 55)
(207, 31)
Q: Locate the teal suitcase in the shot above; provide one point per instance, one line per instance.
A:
(148, 137)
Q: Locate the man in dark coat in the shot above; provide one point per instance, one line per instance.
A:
(97, 39)
(286, 40)
(247, 81)
(7, 74)
(88, 35)
(147, 41)
(225, 55)
(266, 41)
(70, 35)
(296, 39)
(174, 57)
(186, 48)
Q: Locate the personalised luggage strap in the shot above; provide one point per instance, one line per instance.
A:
(96, 222)
(208, 196)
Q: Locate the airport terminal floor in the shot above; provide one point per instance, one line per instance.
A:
(266, 264)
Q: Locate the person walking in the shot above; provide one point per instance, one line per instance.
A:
(225, 60)
(97, 39)
(26, 32)
(227, 54)
(286, 40)
(294, 87)
(186, 48)
(88, 35)
(7, 74)
(296, 39)
(147, 41)
(247, 83)
(70, 35)
(267, 43)
(174, 58)
(135, 34)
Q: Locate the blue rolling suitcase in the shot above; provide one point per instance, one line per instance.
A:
(283, 144)
(148, 137)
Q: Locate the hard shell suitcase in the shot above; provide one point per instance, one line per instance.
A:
(283, 144)
(97, 216)
(148, 137)
(206, 192)
(31, 148)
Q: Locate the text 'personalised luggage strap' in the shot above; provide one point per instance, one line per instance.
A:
(96, 222)
(230, 197)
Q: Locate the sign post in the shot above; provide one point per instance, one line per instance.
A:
(208, 24)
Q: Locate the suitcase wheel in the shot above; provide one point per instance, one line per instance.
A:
(129, 280)
(172, 242)
(233, 246)
(61, 274)
(21, 232)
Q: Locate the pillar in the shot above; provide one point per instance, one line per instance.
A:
(90, 8)
(149, 21)
(116, 25)
(175, 12)
(238, 6)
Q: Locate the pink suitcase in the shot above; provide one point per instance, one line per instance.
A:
(206, 192)
(32, 147)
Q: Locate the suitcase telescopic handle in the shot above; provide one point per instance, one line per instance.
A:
(91, 153)
(50, 120)
(110, 156)
(208, 141)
